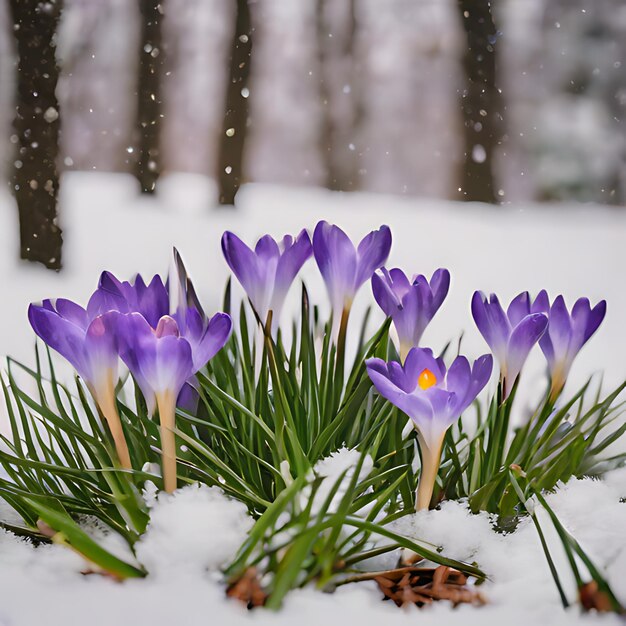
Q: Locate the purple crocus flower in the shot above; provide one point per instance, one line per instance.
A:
(510, 335)
(567, 333)
(162, 359)
(345, 268)
(89, 342)
(151, 300)
(266, 273)
(411, 304)
(433, 397)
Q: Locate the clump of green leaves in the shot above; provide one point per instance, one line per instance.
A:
(269, 411)
(554, 444)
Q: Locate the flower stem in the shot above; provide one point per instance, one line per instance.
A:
(259, 343)
(431, 456)
(167, 411)
(105, 399)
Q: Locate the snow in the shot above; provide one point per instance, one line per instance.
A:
(573, 249)
(341, 464)
(193, 531)
(590, 509)
(175, 543)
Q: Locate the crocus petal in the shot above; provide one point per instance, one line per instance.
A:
(163, 363)
(595, 319)
(410, 320)
(215, 337)
(518, 309)
(524, 336)
(458, 377)
(481, 373)
(72, 312)
(398, 280)
(372, 254)
(189, 398)
(337, 261)
(384, 295)
(439, 284)
(153, 300)
(398, 376)
(101, 347)
(172, 366)
(61, 335)
(445, 412)
(267, 249)
(291, 261)
(180, 292)
(134, 333)
(560, 327)
(166, 326)
(479, 313)
(108, 296)
(243, 263)
(416, 407)
(492, 323)
(541, 303)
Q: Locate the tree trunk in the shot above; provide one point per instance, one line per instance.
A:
(35, 179)
(234, 130)
(148, 94)
(480, 101)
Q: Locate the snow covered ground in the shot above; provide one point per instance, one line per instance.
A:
(194, 531)
(575, 250)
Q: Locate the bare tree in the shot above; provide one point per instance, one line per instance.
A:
(234, 129)
(480, 101)
(7, 89)
(35, 179)
(148, 93)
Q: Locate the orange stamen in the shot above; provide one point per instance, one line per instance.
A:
(426, 379)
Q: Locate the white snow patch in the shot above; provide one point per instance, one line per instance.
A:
(519, 576)
(343, 462)
(194, 529)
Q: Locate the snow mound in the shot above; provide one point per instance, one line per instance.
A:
(195, 529)
(341, 463)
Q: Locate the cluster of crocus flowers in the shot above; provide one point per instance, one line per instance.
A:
(512, 335)
(164, 337)
(267, 271)
(433, 397)
(162, 348)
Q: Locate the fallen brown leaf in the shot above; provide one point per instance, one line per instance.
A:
(247, 589)
(592, 598)
(424, 585)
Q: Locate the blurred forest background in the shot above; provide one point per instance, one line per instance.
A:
(500, 102)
